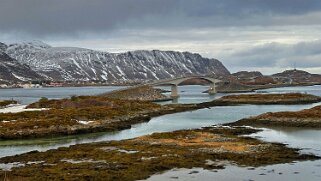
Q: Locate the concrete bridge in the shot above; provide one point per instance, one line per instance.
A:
(176, 81)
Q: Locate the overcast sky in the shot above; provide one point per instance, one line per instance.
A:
(264, 35)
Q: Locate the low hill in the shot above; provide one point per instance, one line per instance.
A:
(298, 76)
(247, 74)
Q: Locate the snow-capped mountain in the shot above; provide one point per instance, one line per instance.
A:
(68, 63)
(11, 70)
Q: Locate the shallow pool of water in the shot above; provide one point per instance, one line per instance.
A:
(309, 140)
(299, 171)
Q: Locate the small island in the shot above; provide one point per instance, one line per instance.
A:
(264, 99)
(141, 92)
(308, 118)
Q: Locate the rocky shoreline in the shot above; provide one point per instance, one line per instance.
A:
(5, 103)
(144, 156)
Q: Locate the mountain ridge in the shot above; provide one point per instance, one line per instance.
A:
(80, 64)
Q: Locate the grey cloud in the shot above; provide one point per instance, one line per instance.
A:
(224, 29)
(248, 7)
(302, 55)
(42, 18)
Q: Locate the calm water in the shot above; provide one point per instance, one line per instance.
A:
(316, 90)
(191, 94)
(308, 139)
(27, 96)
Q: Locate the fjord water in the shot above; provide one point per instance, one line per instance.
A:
(27, 96)
(308, 139)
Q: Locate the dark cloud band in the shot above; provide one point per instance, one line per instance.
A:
(52, 17)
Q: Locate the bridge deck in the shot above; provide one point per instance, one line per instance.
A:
(176, 81)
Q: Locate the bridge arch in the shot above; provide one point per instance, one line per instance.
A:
(176, 81)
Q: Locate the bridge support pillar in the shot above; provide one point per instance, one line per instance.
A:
(174, 93)
(212, 89)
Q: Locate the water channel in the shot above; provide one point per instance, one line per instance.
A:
(307, 139)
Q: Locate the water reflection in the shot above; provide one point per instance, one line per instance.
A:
(309, 140)
(308, 171)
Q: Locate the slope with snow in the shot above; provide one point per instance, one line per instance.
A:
(13, 71)
(74, 64)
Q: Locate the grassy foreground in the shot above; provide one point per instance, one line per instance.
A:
(144, 156)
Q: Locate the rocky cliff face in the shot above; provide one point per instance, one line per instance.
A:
(74, 64)
(11, 70)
